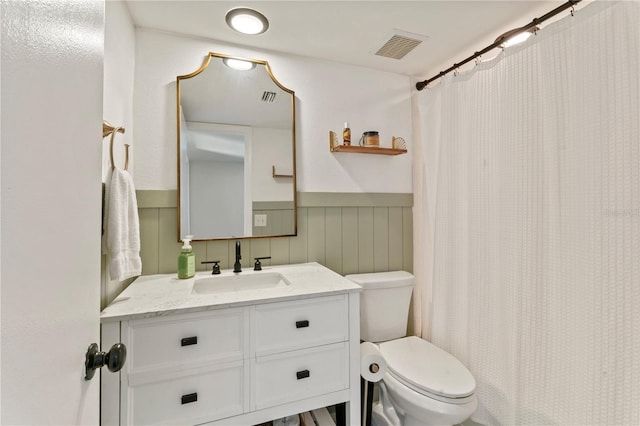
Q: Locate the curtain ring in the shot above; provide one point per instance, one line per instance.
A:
(573, 9)
(478, 60)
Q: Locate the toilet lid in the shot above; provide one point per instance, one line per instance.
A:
(427, 368)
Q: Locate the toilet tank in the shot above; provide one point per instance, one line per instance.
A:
(384, 304)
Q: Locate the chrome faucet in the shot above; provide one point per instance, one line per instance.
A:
(237, 267)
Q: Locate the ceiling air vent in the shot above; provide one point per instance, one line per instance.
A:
(397, 44)
(268, 97)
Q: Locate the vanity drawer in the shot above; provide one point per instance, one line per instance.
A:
(189, 397)
(298, 324)
(296, 375)
(186, 340)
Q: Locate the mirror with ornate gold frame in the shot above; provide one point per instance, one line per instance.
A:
(236, 151)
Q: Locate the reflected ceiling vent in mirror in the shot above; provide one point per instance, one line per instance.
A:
(398, 44)
(268, 97)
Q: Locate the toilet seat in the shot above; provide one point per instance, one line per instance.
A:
(428, 370)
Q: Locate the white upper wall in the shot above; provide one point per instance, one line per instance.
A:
(119, 62)
(327, 95)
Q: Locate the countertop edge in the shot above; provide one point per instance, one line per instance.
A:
(216, 306)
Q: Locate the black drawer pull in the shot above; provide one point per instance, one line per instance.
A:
(302, 374)
(302, 324)
(187, 399)
(189, 341)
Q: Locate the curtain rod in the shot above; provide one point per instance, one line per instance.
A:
(500, 40)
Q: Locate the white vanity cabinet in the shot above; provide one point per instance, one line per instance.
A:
(235, 364)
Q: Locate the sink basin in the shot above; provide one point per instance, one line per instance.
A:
(224, 284)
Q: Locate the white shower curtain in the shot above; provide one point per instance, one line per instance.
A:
(531, 208)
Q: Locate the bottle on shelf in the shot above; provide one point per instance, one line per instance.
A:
(346, 134)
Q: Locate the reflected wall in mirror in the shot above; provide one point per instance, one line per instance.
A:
(236, 151)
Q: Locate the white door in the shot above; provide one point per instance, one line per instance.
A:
(50, 208)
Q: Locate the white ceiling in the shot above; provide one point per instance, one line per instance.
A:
(346, 31)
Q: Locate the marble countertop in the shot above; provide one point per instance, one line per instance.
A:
(160, 295)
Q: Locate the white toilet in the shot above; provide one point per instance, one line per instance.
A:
(424, 385)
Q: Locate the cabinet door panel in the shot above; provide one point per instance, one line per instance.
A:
(300, 374)
(286, 326)
(186, 340)
(190, 397)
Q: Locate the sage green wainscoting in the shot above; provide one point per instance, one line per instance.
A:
(279, 216)
(346, 232)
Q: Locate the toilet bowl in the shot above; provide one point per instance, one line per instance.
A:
(427, 385)
(415, 409)
(424, 385)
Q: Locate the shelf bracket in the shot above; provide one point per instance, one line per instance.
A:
(276, 175)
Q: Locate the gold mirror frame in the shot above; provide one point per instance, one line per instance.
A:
(204, 66)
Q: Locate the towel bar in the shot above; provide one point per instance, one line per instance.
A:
(108, 129)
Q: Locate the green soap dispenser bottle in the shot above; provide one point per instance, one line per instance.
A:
(186, 259)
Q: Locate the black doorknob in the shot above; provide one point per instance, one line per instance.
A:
(94, 359)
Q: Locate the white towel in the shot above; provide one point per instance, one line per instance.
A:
(121, 238)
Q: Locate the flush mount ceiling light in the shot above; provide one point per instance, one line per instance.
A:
(247, 21)
(239, 64)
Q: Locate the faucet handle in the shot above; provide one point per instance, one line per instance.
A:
(216, 266)
(258, 265)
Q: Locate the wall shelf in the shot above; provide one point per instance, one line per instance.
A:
(367, 150)
(335, 147)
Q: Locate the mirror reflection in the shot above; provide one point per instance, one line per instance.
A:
(236, 151)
